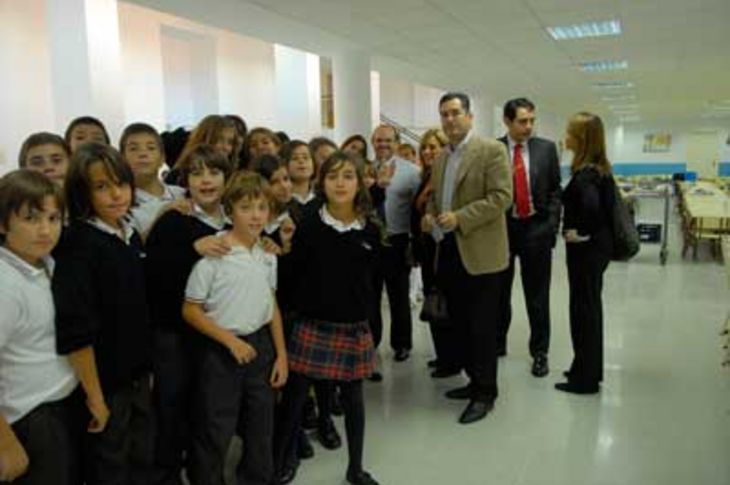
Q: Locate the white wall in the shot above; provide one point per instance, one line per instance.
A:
(246, 76)
(298, 109)
(26, 104)
(142, 45)
(228, 73)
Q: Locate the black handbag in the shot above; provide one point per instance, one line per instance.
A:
(434, 305)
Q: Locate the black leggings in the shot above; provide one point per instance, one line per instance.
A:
(293, 403)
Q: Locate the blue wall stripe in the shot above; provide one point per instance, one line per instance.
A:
(651, 168)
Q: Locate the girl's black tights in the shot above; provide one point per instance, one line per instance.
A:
(294, 397)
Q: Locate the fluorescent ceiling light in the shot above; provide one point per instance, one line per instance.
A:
(582, 31)
(619, 107)
(613, 84)
(603, 66)
(620, 97)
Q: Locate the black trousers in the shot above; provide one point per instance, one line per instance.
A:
(472, 302)
(586, 265)
(535, 269)
(51, 435)
(172, 400)
(394, 272)
(293, 404)
(229, 394)
(123, 453)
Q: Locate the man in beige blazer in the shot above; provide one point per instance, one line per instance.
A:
(472, 185)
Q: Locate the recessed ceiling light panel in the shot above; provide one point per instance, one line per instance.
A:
(603, 66)
(613, 84)
(587, 30)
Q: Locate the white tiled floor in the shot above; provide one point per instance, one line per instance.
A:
(663, 416)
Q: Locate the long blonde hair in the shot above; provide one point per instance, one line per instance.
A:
(586, 130)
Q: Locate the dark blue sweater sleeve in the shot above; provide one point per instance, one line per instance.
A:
(77, 323)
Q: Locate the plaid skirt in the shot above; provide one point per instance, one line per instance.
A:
(332, 351)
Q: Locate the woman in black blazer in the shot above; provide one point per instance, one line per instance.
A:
(587, 202)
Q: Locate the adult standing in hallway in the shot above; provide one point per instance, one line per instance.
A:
(472, 190)
(587, 228)
(532, 224)
(395, 267)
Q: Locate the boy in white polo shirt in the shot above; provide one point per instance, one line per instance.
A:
(39, 411)
(231, 301)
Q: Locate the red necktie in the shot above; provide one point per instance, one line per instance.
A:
(522, 189)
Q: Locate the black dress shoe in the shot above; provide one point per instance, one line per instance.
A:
(304, 447)
(328, 435)
(402, 355)
(443, 372)
(540, 366)
(465, 392)
(361, 478)
(433, 363)
(475, 411)
(287, 475)
(337, 408)
(566, 374)
(375, 377)
(574, 388)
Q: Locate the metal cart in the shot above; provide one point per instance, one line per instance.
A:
(651, 231)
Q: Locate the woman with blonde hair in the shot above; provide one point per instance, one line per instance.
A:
(587, 230)
(424, 251)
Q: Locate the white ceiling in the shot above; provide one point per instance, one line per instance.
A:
(677, 50)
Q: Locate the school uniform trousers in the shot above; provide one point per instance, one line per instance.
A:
(231, 394)
(59, 427)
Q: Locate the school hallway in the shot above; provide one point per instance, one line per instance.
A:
(662, 416)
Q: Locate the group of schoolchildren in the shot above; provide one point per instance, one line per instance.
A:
(146, 321)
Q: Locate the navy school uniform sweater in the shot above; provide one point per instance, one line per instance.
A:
(334, 270)
(99, 293)
(170, 259)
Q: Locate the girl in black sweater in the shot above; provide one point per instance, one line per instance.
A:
(335, 248)
(587, 203)
(177, 241)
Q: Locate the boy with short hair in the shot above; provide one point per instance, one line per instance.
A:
(231, 301)
(39, 407)
(142, 148)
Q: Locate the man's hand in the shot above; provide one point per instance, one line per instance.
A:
(13, 458)
(385, 174)
(448, 221)
(242, 351)
(99, 415)
(213, 246)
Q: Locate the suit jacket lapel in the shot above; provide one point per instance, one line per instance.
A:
(466, 159)
(534, 160)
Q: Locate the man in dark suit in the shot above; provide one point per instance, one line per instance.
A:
(532, 223)
(472, 189)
